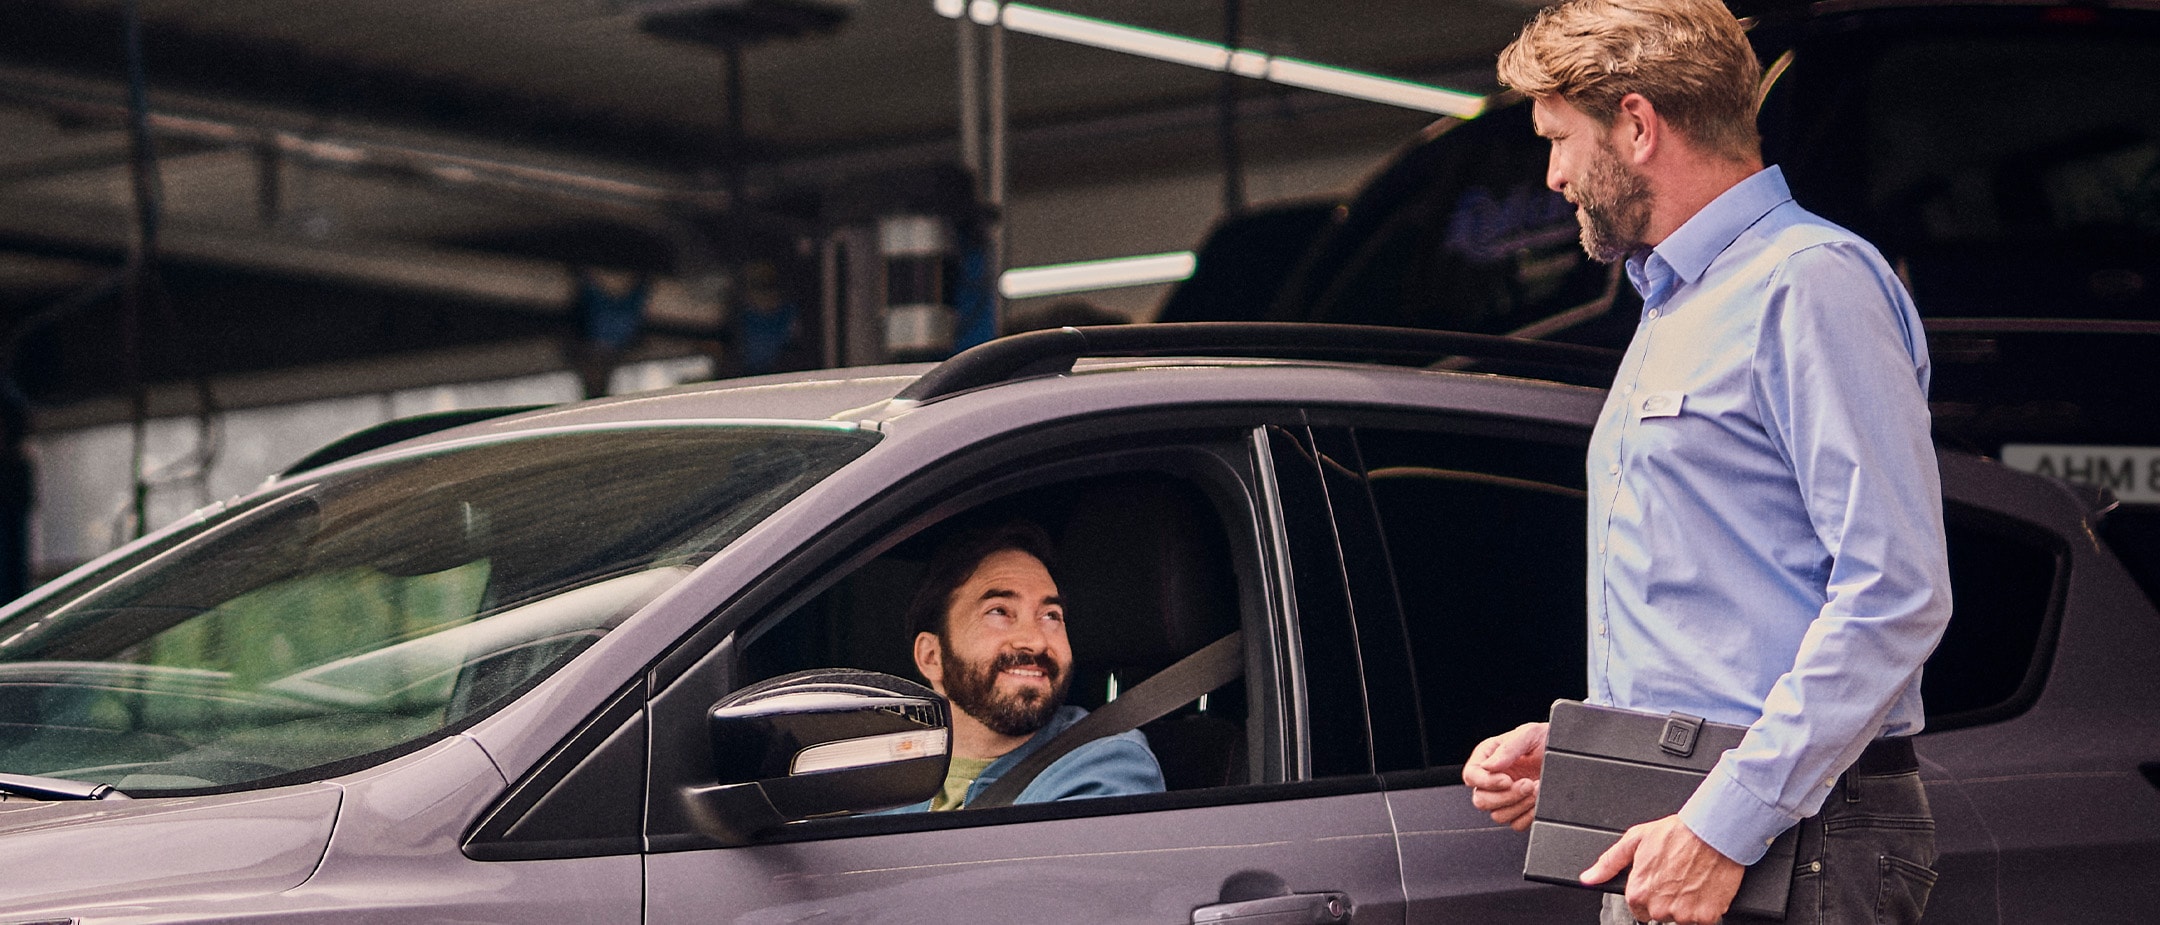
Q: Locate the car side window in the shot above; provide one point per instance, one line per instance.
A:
(2003, 581)
(1144, 567)
(1484, 533)
(1485, 537)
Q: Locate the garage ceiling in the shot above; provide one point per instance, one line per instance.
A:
(435, 154)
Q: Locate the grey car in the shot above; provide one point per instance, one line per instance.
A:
(641, 659)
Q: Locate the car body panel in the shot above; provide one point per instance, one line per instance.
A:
(1151, 867)
(1461, 867)
(2036, 782)
(395, 856)
(803, 396)
(116, 853)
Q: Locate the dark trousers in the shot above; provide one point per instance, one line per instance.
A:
(1867, 858)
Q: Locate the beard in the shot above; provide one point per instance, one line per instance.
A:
(972, 688)
(1613, 206)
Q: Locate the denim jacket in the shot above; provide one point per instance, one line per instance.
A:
(1107, 767)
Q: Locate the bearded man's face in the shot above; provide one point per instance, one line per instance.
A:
(1612, 199)
(1003, 658)
(1012, 710)
(1612, 203)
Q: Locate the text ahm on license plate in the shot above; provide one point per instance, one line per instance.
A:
(2131, 472)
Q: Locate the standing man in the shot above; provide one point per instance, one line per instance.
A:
(1765, 531)
(989, 629)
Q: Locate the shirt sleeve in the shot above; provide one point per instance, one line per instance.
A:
(1116, 765)
(1840, 378)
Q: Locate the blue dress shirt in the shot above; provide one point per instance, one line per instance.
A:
(1766, 540)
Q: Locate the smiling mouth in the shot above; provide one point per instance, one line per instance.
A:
(1027, 671)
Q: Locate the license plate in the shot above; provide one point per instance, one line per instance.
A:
(2131, 472)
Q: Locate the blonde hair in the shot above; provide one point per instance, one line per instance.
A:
(1689, 58)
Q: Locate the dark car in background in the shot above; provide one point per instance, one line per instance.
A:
(2004, 156)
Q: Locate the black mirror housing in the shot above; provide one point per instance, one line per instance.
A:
(818, 743)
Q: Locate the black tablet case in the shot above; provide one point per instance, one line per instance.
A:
(1607, 769)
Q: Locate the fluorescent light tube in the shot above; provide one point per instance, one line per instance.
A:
(1090, 275)
(1245, 62)
(1378, 89)
(1081, 30)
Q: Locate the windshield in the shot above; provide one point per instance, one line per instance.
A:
(311, 629)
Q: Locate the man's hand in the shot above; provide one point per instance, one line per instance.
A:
(1503, 774)
(1678, 877)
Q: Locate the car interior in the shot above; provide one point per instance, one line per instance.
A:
(1145, 568)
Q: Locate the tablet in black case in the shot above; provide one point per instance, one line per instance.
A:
(1607, 769)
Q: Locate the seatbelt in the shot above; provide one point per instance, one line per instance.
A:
(1216, 664)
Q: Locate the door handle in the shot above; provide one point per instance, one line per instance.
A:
(1289, 909)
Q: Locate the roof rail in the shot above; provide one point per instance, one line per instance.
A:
(1053, 352)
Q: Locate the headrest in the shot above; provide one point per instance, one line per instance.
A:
(1145, 571)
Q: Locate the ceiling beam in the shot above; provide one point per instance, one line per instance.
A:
(510, 282)
(83, 40)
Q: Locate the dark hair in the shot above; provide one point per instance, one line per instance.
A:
(955, 561)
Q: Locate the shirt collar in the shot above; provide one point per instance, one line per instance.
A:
(1699, 240)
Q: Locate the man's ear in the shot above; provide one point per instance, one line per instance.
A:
(1638, 130)
(929, 660)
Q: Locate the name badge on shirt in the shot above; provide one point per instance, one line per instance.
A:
(1662, 404)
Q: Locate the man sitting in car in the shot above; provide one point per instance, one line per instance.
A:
(990, 635)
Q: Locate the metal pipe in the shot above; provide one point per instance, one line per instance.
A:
(970, 80)
(1227, 115)
(832, 291)
(269, 185)
(735, 155)
(356, 155)
(994, 235)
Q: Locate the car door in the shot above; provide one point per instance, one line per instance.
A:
(1480, 524)
(1294, 826)
(1470, 532)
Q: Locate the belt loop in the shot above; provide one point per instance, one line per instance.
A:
(1850, 782)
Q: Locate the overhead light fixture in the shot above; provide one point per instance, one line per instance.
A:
(1091, 275)
(1096, 33)
(1245, 62)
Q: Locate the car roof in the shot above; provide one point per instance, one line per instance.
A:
(879, 393)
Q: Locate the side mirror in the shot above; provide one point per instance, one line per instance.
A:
(820, 743)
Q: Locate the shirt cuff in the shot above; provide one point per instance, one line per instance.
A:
(1732, 819)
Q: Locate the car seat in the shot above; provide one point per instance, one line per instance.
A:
(1145, 570)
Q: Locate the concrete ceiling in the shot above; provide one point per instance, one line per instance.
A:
(453, 156)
